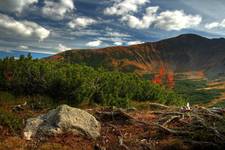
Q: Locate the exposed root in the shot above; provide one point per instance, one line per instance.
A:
(198, 122)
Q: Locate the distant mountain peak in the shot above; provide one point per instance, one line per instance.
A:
(191, 37)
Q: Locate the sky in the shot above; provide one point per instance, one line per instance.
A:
(46, 27)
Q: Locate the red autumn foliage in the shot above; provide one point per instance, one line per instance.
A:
(170, 80)
(162, 71)
(163, 74)
(159, 77)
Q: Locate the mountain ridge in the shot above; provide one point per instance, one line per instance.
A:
(183, 53)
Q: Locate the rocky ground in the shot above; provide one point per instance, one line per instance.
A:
(158, 127)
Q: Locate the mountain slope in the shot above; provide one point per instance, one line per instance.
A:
(184, 53)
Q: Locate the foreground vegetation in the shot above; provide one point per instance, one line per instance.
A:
(79, 84)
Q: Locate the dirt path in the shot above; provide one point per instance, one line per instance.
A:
(216, 86)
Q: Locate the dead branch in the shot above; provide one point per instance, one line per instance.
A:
(170, 120)
(158, 105)
(167, 113)
(189, 123)
(212, 115)
(217, 133)
(208, 112)
(171, 131)
(216, 110)
(113, 116)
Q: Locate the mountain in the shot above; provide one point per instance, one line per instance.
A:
(184, 53)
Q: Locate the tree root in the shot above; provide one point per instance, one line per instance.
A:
(198, 120)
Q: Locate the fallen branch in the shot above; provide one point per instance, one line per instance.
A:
(167, 113)
(170, 120)
(193, 122)
(113, 116)
(208, 112)
(158, 105)
(171, 131)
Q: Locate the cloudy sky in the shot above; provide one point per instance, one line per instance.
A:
(52, 26)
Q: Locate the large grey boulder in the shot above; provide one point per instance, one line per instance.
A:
(61, 120)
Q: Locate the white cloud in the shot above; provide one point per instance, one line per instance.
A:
(113, 39)
(134, 42)
(214, 25)
(121, 7)
(166, 20)
(118, 43)
(22, 28)
(176, 20)
(23, 47)
(57, 10)
(109, 32)
(116, 34)
(85, 32)
(62, 47)
(81, 22)
(40, 52)
(145, 22)
(15, 5)
(94, 43)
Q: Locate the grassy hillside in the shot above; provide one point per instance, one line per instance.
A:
(194, 91)
(180, 54)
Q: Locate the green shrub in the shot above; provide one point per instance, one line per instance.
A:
(11, 121)
(79, 84)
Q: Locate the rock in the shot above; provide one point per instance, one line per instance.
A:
(61, 120)
(32, 127)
